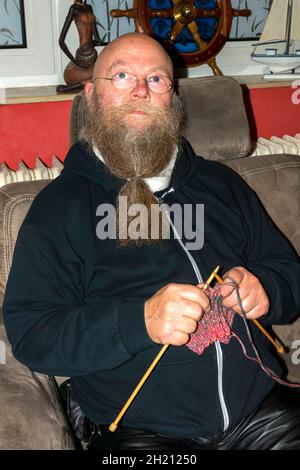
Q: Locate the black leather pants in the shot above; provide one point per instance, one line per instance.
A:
(275, 425)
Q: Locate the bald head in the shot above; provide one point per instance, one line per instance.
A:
(133, 46)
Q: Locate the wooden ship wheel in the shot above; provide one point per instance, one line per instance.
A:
(193, 32)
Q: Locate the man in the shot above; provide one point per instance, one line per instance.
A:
(98, 308)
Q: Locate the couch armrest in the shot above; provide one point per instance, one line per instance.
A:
(15, 200)
(276, 181)
(289, 335)
(31, 413)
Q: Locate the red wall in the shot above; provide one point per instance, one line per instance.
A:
(31, 130)
(42, 129)
(273, 111)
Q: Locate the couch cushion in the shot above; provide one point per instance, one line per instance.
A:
(31, 412)
(15, 200)
(276, 180)
(216, 121)
(216, 124)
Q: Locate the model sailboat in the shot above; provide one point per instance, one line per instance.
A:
(278, 46)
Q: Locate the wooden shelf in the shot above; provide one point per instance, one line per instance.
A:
(48, 93)
(257, 81)
(33, 95)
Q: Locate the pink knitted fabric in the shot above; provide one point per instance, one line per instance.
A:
(214, 325)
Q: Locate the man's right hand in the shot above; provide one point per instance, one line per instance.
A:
(173, 312)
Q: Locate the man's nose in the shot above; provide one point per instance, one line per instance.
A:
(141, 89)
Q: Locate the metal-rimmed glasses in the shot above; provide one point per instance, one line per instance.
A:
(156, 83)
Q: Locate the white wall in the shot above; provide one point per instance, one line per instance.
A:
(42, 63)
(234, 59)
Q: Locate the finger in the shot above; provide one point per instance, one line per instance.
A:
(186, 325)
(226, 290)
(196, 295)
(179, 338)
(258, 310)
(252, 307)
(235, 303)
(202, 285)
(254, 313)
(235, 274)
(231, 279)
(192, 310)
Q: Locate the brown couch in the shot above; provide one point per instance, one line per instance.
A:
(217, 127)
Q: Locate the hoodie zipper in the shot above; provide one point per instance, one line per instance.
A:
(219, 352)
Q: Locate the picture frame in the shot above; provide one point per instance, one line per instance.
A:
(12, 24)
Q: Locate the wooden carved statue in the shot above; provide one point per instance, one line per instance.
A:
(81, 66)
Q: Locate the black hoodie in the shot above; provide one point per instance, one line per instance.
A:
(74, 304)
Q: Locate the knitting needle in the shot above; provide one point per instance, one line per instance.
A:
(213, 274)
(279, 348)
(113, 426)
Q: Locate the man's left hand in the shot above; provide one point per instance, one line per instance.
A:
(254, 299)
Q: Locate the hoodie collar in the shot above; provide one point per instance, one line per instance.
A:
(154, 183)
(83, 161)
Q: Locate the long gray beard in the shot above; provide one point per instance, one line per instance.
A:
(135, 153)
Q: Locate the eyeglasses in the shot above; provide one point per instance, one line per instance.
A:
(127, 81)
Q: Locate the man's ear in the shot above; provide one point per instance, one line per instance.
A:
(88, 90)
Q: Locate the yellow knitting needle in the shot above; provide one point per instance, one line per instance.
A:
(113, 426)
(279, 348)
